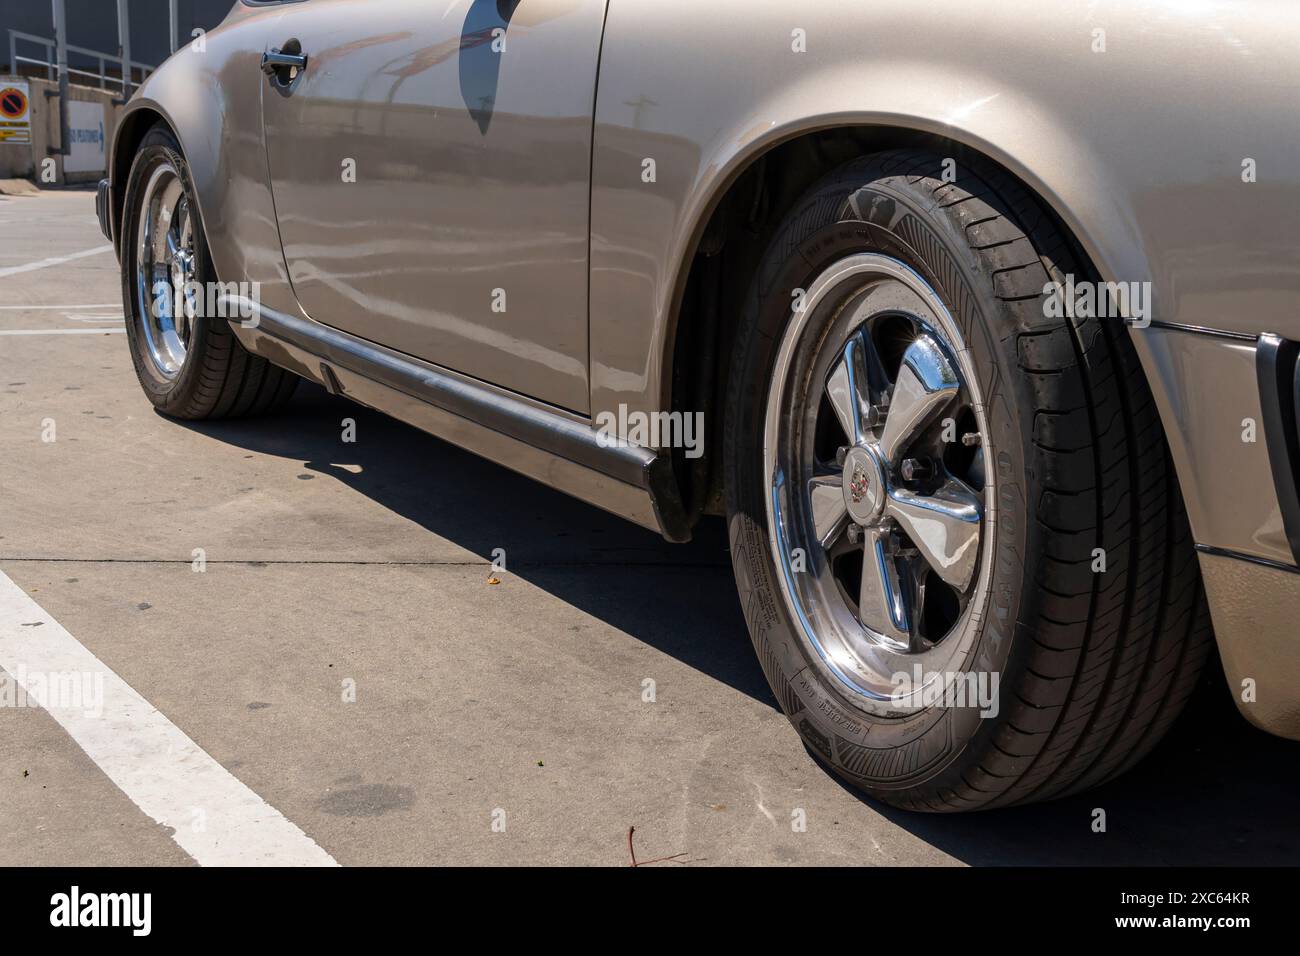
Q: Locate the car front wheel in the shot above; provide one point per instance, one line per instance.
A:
(187, 360)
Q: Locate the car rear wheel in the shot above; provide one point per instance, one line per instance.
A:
(957, 536)
(186, 358)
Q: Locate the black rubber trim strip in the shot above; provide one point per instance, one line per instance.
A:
(332, 384)
(1279, 399)
(1248, 558)
(547, 431)
(103, 209)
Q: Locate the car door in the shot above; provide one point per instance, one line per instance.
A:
(431, 172)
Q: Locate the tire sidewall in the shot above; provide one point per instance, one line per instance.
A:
(881, 754)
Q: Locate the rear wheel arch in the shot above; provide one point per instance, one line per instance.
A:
(727, 246)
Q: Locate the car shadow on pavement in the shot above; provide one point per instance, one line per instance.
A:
(678, 598)
(1215, 792)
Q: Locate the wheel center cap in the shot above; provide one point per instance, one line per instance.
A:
(864, 485)
(180, 269)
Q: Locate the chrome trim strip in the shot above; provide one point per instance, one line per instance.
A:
(1202, 330)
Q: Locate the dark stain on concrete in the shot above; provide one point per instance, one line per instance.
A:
(368, 800)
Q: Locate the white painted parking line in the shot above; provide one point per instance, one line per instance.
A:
(58, 331)
(213, 817)
(46, 263)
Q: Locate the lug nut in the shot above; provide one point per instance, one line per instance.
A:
(971, 439)
(855, 534)
(841, 456)
(914, 469)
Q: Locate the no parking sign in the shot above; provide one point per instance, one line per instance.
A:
(15, 112)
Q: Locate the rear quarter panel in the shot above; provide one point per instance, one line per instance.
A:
(1138, 148)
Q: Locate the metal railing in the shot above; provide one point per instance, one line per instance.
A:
(127, 72)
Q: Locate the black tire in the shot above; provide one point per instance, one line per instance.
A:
(1094, 667)
(219, 378)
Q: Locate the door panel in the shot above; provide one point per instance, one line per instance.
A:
(464, 238)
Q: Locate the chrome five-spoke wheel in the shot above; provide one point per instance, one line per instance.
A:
(165, 272)
(188, 360)
(875, 458)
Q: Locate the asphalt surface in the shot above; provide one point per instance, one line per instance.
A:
(370, 562)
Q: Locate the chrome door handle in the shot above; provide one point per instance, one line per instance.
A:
(276, 62)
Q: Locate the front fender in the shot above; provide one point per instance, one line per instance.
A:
(211, 99)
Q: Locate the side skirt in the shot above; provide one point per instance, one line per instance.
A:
(553, 447)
